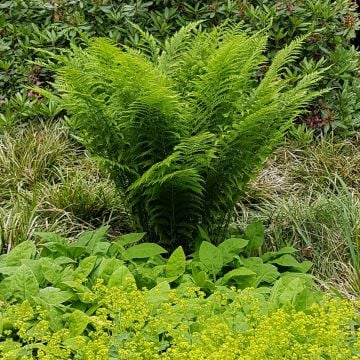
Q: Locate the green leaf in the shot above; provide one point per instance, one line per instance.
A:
(51, 271)
(90, 239)
(255, 234)
(272, 255)
(85, 268)
(101, 248)
(211, 257)
(56, 248)
(54, 296)
(75, 252)
(264, 272)
(24, 284)
(303, 267)
(176, 263)
(64, 260)
(286, 260)
(231, 247)
(35, 266)
(25, 250)
(121, 277)
(78, 322)
(236, 273)
(144, 250)
(159, 293)
(51, 237)
(8, 270)
(130, 238)
(106, 268)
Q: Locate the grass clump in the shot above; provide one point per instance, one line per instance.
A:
(308, 195)
(47, 182)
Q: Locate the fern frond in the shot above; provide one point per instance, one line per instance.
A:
(182, 127)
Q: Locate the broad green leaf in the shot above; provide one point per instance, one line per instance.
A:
(90, 239)
(305, 299)
(25, 250)
(303, 267)
(144, 250)
(8, 270)
(51, 237)
(231, 247)
(101, 248)
(56, 248)
(288, 260)
(159, 293)
(35, 266)
(233, 274)
(6, 289)
(106, 268)
(64, 260)
(51, 271)
(85, 268)
(255, 234)
(176, 263)
(211, 257)
(54, 296)
(78, 322)
(291, 290)
(75, 252)
(121, 277)
(200, 278)
(286, 289)
(274, 254)
(24, 284)
(130, 238)
(76, 286)
(264, 272)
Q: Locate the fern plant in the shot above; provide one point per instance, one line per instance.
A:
(182, 126)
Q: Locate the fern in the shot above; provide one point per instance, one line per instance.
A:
(182, 126)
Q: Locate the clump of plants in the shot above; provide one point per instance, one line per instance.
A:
(90, 298)
(182, 127)
(47, 182)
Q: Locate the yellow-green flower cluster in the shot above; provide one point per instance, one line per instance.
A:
(128, 323)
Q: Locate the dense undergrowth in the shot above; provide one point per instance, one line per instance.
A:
(92, 299)
(235, 247)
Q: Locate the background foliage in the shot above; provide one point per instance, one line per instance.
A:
(52, 25)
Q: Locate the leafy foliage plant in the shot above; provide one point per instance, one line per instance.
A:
(183, 126)
(91, 299)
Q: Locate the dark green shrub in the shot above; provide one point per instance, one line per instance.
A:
(182, 128)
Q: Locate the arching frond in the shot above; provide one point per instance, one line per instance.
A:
(182, 126)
